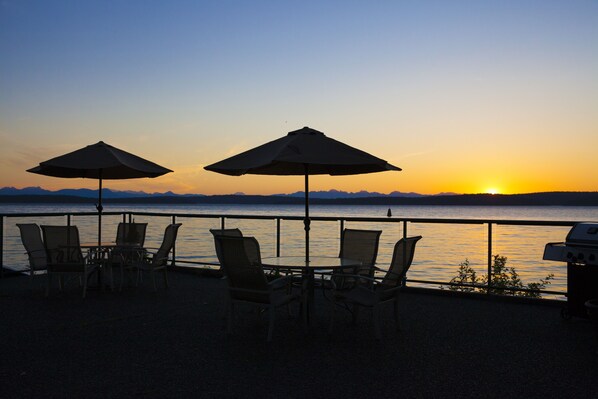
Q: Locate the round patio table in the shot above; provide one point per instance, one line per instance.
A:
(308, 269)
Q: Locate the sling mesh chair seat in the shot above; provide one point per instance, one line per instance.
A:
(31, 237)
(247, 283)
(371, 292)
(145, 260)
(65, 257)
(360, 245)
(130, 238)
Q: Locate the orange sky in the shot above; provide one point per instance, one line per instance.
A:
(465, 97)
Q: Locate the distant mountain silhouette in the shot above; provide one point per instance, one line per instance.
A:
(87, 193)
(336, 194)
(108, 193)
(38, 195)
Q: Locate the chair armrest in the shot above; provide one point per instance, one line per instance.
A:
(281, 282)
(366, 282)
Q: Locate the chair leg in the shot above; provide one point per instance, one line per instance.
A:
(396, 312)
(153, 273)
(85, 276)
(49, 279)
(355, 312)
(229, 318)
(376, 316)
(271, 315)
(332, 316)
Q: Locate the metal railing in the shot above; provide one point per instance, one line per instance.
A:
(404, 222)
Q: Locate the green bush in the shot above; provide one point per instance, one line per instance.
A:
(504, 280)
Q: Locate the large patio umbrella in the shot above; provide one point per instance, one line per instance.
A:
(302, 152)
(99, 161)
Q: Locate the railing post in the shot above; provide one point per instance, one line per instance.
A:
(404, 258)
(342, 227)
(172, 262)
(1, 246)
(222, 222)
(489, 256)
(277, 237)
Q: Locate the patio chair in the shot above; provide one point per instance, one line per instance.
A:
(223, 233)
(375, 291)
(31, 237)
(247, 282)
(361, 245)
(130, 238)
(65, 257)
(151, 262)
(130, 234)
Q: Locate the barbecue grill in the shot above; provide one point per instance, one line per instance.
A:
(580, 251)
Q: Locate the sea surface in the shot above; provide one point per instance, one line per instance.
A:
(443, 247)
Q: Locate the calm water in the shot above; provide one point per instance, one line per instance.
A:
(437, 258)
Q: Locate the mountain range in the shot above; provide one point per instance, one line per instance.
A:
(11, 195)
(108, 193)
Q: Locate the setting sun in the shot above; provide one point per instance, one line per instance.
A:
(492, 191)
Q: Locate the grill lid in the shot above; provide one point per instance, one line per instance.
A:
(583, 234)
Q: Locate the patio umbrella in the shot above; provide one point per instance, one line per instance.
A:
(99, 161)
(302, 152)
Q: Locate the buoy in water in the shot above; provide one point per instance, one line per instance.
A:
(389, 213)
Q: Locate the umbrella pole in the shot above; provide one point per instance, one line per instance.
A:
(99, 207)
(306, 221)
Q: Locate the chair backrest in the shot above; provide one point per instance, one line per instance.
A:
(223, 233)
(31, 236)
(360, 245)
(161, 257)
(402, 256)
(131, 234)
(245, 276)
(62, 244)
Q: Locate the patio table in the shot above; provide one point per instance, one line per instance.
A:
(308, 269)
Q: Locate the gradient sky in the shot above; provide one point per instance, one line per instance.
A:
(465, 96)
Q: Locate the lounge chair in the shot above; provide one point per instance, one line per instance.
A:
(247, 282)
(31, 237)
(147, 261)
(65, 257)
(371, 292)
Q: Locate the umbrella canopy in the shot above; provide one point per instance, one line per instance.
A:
(99, 161)
(289, 155)
(302, 152)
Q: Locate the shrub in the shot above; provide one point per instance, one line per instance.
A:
(504, 280)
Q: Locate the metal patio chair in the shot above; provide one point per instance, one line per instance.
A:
(64, 255)
(31, 237)
(247, 282)
(130, 238)
(152, 262)
(374, 291)
(361, 245)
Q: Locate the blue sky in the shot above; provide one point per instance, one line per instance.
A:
(465, 96)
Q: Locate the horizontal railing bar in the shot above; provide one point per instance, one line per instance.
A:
(313, 218)
(484, 286)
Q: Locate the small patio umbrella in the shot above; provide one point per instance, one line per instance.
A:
(302, 152)
(99, 161)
